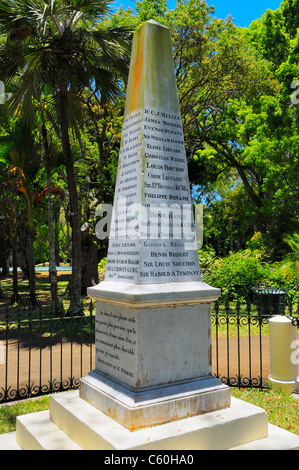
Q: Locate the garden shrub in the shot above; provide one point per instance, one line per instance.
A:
(207, 258)
(237, 274)
(285, 276)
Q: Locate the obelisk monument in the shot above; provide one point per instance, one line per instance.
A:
(153, 313)
(156, 245)
(152, 387)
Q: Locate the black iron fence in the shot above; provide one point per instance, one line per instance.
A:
(41, 354)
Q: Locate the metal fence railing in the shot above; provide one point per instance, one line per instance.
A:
(240, 342)
(42, 354)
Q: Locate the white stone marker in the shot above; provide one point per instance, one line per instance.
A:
(153, 313)
(283, 354)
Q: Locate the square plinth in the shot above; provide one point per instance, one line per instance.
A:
(150, 336)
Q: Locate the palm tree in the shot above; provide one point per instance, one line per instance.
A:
(52, 162)
(9, 211)
(59, 44)
(21, 160)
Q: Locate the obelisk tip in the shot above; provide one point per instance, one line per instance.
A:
(156, 23)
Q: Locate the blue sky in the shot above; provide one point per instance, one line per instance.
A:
(242, 12)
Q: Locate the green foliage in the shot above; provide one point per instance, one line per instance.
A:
(150, 10)
(290, 11)
(102, 265)
(238, 273)
(256, 243)
(286, 272)
(282, 407)
(207, 257)
(9, 413)
(270, 36)
(293, 257)
(41, 244)
(285, 277)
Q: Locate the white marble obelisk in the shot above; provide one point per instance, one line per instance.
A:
(153, 238)
(153, 313)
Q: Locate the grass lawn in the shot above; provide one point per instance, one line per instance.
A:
(9, 413)
(282, 408)
(43, 291)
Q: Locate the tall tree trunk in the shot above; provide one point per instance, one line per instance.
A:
(31, 267)
(56, 231)
(30, 254)
(15, 289)
(75, 287)
(52, 257)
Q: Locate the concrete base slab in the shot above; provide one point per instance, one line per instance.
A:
(277, 439)
(37, 432)
(90, 429)
(8, 441)
(222, 429)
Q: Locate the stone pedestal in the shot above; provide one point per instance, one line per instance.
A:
(153, 353)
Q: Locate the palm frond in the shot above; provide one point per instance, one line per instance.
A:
(17, 15)
(96, 60)
(9, 17)
(20, 151)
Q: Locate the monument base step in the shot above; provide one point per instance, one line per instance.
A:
(73, 424)
(8, 441)
(37, 431)
(277, 439)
